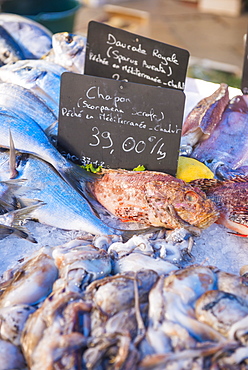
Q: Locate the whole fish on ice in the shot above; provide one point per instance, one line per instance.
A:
(29, 137)
(62, 206)
(22, 101)
(26, 32)
(68, 50)
(40, 76)
(153, 198)
(12, 217)
(9, 50)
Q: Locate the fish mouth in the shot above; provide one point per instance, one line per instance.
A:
(207, 220)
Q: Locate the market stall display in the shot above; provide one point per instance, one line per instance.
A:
(83, 289)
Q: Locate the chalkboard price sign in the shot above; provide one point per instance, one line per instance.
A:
(120, 124)
(121, 55)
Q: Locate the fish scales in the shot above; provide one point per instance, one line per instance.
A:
(40, 76)
(22, 101)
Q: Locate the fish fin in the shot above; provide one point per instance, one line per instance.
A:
(6, 205)
(14, 184)
(78, 178)
(238, 178)
(27, 202)
(8, 230)
(50, 129)
(18, 216)
(237, 234)
(205, 184)
(192, 230)
(12, 158)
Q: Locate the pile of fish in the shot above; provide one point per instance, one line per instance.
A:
(123, 294)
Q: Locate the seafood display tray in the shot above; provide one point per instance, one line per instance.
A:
(216, 246)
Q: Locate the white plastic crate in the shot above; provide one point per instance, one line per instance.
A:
(221, 7)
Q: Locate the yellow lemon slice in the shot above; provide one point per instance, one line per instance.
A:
(189, 169)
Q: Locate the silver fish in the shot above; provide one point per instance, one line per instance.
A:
(26, 32)
(41, 76)
(22, 101)
(63, 207)
(29, 137)
(9, 50)
(68, 50)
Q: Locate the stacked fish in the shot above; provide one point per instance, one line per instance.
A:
(117, 298)
(29, 100)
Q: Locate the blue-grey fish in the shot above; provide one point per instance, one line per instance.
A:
(22, 101)
(62, 206)
(9, 50)
(40, 76)
(34, 39)
(68, 51)
(29, 137)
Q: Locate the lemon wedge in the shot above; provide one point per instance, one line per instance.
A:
(189, 169)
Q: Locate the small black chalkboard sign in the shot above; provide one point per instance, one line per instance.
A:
(244, 80)
(121, 55)
(120, 124)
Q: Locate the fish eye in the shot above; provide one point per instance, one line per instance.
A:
(69, 38)
(6, 53)
(191, 196)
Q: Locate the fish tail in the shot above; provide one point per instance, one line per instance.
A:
(78, 177)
